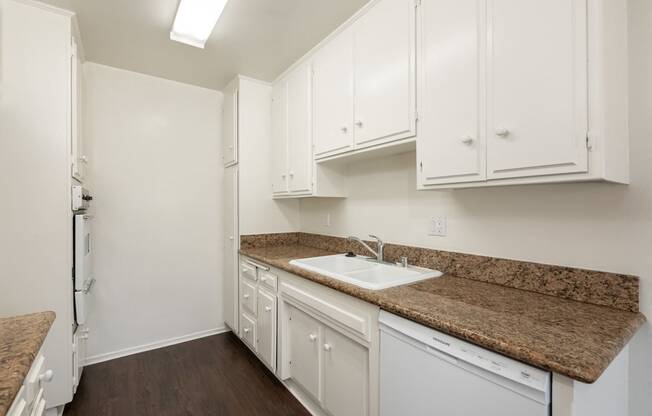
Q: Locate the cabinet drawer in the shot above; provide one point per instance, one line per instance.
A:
(20, 406)
(269, 280)
(248, 271)
(248, 331)
(33, 379)
(39, 404)
(248, 297)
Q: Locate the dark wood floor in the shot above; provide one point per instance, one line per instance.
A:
(216, 375)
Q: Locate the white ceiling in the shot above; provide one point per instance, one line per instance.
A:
(256, 38)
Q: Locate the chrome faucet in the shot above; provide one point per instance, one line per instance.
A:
(379, 244)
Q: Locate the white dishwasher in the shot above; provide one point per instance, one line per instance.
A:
(424, 372)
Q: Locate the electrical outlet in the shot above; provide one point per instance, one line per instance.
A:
(438, 226)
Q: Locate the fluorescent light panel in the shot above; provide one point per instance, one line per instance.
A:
(195, 21)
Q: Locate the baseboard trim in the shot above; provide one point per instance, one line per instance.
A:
(154, 345)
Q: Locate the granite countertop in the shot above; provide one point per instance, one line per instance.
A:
(21, 338)
(568, 337)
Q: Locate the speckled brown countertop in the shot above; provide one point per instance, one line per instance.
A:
(21, 338)
(572, 338)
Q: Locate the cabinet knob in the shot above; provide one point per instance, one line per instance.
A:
(83, 159)
(291, 174)
(268, 308)
(502, 132)
(230, 147)
(358, 123)
(467, 140)
(312, 337)
(47, 376)
(231, 237)
(283, 175)
(344, 129)
(246, 296)
(327, 347)
(246, 330)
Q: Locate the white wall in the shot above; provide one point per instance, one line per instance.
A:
(596, 226)
(157, 176)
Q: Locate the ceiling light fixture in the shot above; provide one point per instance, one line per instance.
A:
(195, 21)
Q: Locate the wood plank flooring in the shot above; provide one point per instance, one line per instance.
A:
(216, 375)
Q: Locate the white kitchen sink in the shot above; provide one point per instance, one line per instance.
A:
(364, 272)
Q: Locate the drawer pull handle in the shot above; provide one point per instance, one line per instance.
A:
(247, 330)
(47, 376)
(263, 279)
(268, 308)
(312, 337)
(245, 296)
(327, 347)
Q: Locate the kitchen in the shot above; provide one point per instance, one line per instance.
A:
(328, 208)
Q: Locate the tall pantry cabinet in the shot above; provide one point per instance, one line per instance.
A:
(248, 207)
(40, 64)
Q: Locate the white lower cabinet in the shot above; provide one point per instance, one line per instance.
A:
(321, 343)
(328, 348)
(345, 372)
(30, 400)
(258, 306)
(303, 340)
(328, 365)
(266, 328)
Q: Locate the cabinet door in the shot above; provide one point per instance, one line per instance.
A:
(230, 128)
(230, 245)
(79, 159)
(333, 96)
(299, 107)
(345, 376)
(451, 143)
(279, 139)
(384, 54)
(536, 87)
(303, 344)
(266, 333)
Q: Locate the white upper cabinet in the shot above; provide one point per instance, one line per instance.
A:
(79, 159)
(230, 126)
(294, 173)
(451, 138)
(279, 139)
(384, 74)
(518, 92)
(333, 96)
(536, 87)
(299, 129)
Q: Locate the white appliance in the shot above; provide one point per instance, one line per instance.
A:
(83, 270)
(424, 372)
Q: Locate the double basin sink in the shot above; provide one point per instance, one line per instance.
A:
(364, 272)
